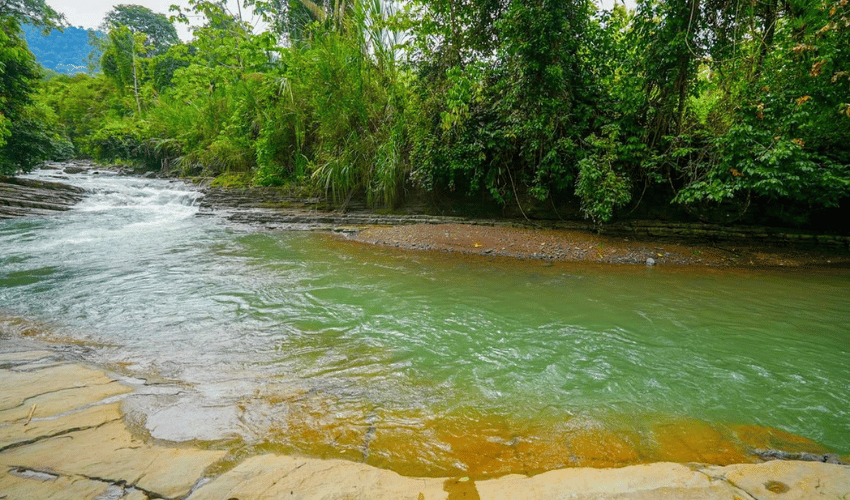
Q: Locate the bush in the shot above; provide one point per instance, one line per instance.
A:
(122, 139)
(599, 186)
(33, 140)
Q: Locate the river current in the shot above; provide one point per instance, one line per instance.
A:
(427, 362)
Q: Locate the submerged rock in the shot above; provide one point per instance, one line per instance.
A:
(63, 436)
(828, 458)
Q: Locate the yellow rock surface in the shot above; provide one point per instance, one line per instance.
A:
(62, 437)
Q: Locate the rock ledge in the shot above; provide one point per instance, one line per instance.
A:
(21, 197)
(62, 437)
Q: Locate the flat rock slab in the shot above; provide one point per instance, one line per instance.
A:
(787, 480)
(21, 197)
(276, 476)
(62, 436)
(61, 382)
(43, 398)
(22, 432)
(662, 481)
(111, 455)
(26, 485)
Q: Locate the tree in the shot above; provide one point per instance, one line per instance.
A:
(135, 36)
(81, 102)
(510, 93)
(159, 33)
(23, 138)
(454, 33)
(786, 140)
(19, 71)
(120, 60)
(34, 12)
(667, 33)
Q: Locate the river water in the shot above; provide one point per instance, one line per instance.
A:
(428, 363)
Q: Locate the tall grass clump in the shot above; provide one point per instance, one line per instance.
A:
(338, 113)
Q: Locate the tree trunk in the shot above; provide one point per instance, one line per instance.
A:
(136, 85)
(683, 78)
(767, 39)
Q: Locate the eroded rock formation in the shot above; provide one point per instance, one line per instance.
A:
(21, 197)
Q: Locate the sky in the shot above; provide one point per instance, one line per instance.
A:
(90, 13)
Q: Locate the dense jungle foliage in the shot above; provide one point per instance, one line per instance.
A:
(720, 109)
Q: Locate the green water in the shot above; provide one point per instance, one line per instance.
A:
(309, 343)
(519, 338)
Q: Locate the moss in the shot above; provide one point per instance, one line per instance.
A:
(232, 180)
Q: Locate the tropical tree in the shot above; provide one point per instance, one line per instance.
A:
(159, 33)
(775, 128)
(508, 94)
(25, 138)
(121, 60)
(34, 12)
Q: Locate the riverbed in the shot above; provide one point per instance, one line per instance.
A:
(428, 363)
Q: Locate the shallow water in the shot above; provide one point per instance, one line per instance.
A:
(432, 363)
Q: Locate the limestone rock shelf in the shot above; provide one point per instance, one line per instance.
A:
(62, 436)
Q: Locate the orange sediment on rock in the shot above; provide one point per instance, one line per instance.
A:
(695, 441)
(766, 438)
(603, 448)
(467, 443)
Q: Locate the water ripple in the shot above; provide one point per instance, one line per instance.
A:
(430, 335)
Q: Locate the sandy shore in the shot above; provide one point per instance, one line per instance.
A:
(63, 436)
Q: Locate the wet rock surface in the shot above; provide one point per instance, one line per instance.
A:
(26, 197)
(625, 242)
(63, 436)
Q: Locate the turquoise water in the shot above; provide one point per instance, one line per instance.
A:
(306, 332)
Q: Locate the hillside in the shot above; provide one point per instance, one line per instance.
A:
(63, 52)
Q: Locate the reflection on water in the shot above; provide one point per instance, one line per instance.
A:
(432, 363)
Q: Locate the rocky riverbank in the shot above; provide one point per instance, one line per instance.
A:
(27, 197)
(627, 242)
(624, 242)
(63, 436)
(581, 245)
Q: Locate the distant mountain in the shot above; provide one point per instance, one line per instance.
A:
(63, 52)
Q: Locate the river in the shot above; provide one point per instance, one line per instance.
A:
(424, 362)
